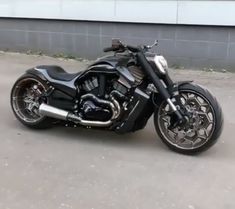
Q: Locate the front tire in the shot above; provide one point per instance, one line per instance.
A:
(25, 101)
(205, 121)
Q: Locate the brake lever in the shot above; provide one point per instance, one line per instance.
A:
(151, 46)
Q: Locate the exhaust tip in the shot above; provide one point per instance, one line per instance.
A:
(53, 112)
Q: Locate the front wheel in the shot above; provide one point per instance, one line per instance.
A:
(204, 121)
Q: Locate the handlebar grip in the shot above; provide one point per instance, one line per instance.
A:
(108, 49)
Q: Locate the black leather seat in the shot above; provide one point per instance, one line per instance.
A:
(59, 73)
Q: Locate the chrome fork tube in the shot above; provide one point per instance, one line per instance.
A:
(173, 107)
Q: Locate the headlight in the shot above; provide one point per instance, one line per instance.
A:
(161, 64)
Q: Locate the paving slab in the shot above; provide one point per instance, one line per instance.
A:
(90, 169)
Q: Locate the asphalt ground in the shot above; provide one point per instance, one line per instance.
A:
(92, 169)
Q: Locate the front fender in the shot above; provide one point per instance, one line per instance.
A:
(174, 89)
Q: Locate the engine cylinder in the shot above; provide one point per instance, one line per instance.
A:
(137, 74)
(90, 84)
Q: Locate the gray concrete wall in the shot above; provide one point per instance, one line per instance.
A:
(184, 46)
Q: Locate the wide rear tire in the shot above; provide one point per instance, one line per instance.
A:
(20, 101)
(207, 112)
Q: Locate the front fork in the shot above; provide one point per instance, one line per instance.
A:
(160, 87)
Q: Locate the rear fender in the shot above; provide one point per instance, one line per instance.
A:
(68, 87)
(34, 72)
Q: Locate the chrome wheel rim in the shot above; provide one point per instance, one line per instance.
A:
(199, 128)
(26, 100)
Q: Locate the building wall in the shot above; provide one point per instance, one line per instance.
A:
(184, 46)
(201, 12)
(191, 33)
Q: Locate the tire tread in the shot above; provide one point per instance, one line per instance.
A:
(219, 121)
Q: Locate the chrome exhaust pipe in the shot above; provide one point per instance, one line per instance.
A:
(53, 112)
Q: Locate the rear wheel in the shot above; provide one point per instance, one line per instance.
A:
(25, 101)
(204, 126)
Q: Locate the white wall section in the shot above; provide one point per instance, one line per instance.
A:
(206, 12)
(144, 11)
(103, 10)
(147, 11)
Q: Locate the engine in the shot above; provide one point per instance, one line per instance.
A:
(89, 84)
(92, 111)
(103, 95)
(101, 98)
(137, 73)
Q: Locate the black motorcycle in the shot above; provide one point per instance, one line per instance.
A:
(121, 92)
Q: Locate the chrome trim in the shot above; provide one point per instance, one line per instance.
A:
(126, 74)
(101, 66)
(161, 63)
(173, 107)
(143, 94)
(124, 82)
(53, 112)
(151, 88)
(118, 108)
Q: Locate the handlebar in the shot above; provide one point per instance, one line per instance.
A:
(133, 48)
(108, 49)
(122, 48)
(117, 46)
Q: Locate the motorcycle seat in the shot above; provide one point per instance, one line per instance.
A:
(58, 73)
